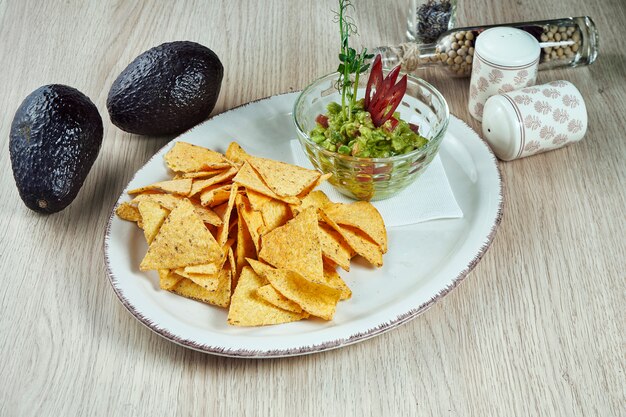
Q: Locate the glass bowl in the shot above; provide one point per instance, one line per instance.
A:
(373, 178)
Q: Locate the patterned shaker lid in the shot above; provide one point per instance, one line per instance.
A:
(508, 47)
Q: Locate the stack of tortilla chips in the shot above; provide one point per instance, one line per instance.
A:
(250, 234)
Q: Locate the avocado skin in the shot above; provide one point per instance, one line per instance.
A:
(55, 138)
(166, 90)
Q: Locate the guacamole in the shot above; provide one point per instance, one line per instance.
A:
(361, 138)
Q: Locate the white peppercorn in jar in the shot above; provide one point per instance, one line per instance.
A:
(569, 42)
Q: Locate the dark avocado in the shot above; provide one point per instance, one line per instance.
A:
(55, 138)
(166, 90)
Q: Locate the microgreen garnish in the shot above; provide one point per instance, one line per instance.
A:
(351, 62)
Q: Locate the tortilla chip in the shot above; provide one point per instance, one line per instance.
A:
(317, 199)
(257, 200)
(170, 202)
(248, 309)
(245, 246)
(201, 185)
(250, 179)
(167, 201)
(332, 279)
(361, 244)
(185, 157)
(180, 186)
(213, 267)
(275, 214)
(232, 263)
(259, 267)
(168, 279)
(222, 231)
(207, 275)
(236, 153)
(126, 211)
(269, 294)
(205, 269)
(334, 246)
(221, 209)
(361, 215)
(152, 216)
(232, 229)
(230, 254)
(316, 299)
(295, 246)
(323, 178)
(282, 178)
(253, 220)
(182, 240)
(219, 297)
(203, 174)
(208, 282)
(224, 290)
(215, 195)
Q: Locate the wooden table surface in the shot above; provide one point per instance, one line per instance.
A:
(538, 328)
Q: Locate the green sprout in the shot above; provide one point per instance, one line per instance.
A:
(351, 62)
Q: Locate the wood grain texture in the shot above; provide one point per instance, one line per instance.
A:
(536, 329)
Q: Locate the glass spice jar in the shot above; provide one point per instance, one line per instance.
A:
(565, 42)
(428, 19)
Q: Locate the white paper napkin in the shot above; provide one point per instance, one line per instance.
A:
(428, 198)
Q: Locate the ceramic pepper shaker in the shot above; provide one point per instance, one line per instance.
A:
(505, 59)
(534, 119)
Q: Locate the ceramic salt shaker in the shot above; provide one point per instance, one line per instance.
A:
(505, 59)
(534, 119)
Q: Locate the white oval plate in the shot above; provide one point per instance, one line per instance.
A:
(425, 261)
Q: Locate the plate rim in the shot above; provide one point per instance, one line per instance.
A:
(309, 349)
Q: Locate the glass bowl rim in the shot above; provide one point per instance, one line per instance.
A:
(435, 141)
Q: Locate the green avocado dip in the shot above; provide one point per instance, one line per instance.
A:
(369, 127)
(359, 136)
